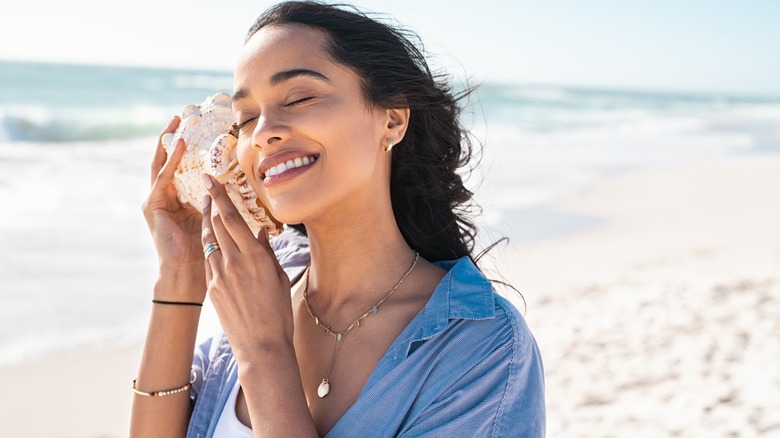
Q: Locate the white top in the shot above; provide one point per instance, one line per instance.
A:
(228, 425)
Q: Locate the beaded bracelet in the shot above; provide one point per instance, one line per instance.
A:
(161, 393)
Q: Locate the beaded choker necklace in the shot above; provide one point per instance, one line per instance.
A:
(339, 336)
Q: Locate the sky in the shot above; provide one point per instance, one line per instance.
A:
(698, 46)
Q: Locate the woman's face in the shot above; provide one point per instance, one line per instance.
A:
(308, 143)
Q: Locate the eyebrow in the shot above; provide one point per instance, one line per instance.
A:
(284, 76)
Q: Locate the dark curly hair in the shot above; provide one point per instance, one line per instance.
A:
(430, 203)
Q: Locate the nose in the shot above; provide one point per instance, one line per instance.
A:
(269, 131)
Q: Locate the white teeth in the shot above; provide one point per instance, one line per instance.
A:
(290, 164)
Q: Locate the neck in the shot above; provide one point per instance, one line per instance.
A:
(358, 259)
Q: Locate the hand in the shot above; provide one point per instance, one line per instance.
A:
(175, 228)
(249, 289)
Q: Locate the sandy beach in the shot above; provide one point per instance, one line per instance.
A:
(664, 320)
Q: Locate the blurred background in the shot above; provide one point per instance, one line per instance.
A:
(631, 155)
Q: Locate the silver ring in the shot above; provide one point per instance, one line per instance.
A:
(209, 248)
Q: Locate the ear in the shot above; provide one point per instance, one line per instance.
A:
(397, 122)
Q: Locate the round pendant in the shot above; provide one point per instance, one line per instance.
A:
(323, 389)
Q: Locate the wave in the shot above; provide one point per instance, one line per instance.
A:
(43, 102)
(551, 108)
(142, 109)
(14, 129)
(38, 124)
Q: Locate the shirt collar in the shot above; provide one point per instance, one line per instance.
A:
(463, 293)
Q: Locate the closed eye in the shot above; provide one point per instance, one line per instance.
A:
(299, 101)
(293, 103)
(246, 122)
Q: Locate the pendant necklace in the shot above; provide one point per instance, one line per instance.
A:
(339, 336)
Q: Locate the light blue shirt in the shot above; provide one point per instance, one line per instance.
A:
(465, 366)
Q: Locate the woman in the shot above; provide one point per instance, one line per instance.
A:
(392, 330)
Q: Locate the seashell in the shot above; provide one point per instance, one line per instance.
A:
(210, 134)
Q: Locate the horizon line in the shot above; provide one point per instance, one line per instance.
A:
(638, 89)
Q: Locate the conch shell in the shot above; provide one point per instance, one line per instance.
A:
(210, 133)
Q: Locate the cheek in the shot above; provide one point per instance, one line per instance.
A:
(242, 149)
(246, 159)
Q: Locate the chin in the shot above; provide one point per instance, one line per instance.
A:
(290, 209)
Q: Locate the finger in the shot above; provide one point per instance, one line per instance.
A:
(207, 236)
(165, 176)
(160, 155)
(209, 272)
(228, 214)
(224, 238)
(263, 238)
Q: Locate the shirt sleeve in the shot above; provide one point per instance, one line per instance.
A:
(501, 396)
(200, 363)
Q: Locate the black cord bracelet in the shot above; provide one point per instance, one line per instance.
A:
(177, 303)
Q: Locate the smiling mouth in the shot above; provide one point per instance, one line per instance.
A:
(288, 165)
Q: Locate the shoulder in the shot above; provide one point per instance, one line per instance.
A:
(522, 405)
(498, 362)
(483, 376)
(502, 339)
(466, 304)
(518, 336)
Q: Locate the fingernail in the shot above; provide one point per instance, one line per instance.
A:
(206, 180)
(206, 201)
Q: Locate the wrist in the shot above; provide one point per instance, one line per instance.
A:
(189, 286)
(178, 267)
(264, 356)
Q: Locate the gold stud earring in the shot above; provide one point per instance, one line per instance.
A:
(389, 146)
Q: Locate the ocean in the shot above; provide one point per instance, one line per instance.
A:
(77, 263)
